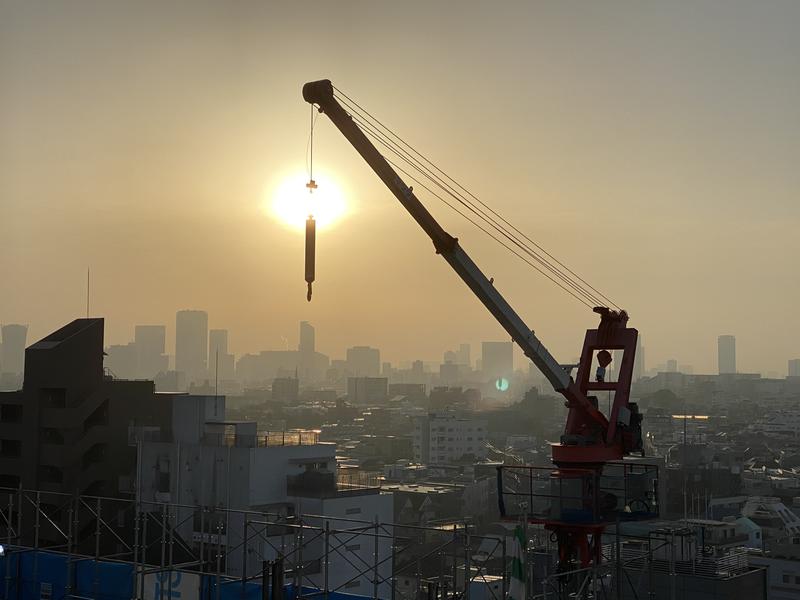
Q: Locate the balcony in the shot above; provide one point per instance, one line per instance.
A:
(320, 484)
(264, 439)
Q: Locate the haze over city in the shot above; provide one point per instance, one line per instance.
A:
(652, 147)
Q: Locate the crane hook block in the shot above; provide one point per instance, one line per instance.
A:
(311, 239)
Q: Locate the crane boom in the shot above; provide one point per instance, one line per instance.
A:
(591, 440)
(321, 94)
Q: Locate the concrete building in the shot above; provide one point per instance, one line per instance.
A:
(122, 361)
(446, 437)
(67, 430)
(151, 347)
(363, 361)
(12, 357)
(191, 344)
(211, 462)
(286, 390)
(726, 354)
(367, 390)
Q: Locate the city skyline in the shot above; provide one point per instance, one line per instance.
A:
(685, 110)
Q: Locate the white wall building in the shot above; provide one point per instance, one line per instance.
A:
(445, 437)
(220, 464)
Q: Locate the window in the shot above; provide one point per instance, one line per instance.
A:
(10, 413)
(787, 578)
(353, 547)
(10, 448)
(353, 511)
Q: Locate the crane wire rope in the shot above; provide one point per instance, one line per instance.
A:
(489, 233)
(480, 213)
(576, 291)
(379, 124)
(520, 238)
(592, 300)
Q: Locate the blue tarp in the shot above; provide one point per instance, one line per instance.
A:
(22, 573)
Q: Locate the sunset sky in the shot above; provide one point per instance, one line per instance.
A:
(651, 146)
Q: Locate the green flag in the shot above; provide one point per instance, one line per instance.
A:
(516, 589)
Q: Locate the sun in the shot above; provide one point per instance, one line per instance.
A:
(292, 202)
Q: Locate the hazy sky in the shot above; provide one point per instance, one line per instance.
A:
(652, 146)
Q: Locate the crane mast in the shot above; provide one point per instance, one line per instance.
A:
(591, 439)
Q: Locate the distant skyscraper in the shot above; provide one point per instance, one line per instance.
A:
(463, 355)
(151, 345)
(638, 361)
(794, 368)
(363, 361)
(12, 359)
(726, 354)
(672, 366)
(307, 341)
(191, 344)
(497, 360)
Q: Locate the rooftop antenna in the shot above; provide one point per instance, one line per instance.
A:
(87, 292)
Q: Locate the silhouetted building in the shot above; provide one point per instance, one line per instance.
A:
(121, 360)
(638, 361)
(454, 397)
(497, 360)
(191, 344)
(306, 338)
(367, 390)
(12, 359)
(726, 354)
(285, 389)
(151, 347)
(672, 366)
(68, 429)
(363, 361)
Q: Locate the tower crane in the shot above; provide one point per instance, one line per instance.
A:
(590, 485)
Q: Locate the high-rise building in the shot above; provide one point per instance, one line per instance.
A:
(191, 344)
(363, 361)
(12, 359)
(151, 345)
(497, 360)
(638, 361)
(672, 366)
(306, 346)
(794, 367)
(726, 354)
(67, 430)
(463, 357)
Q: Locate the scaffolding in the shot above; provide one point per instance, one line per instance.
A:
(315, 555)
